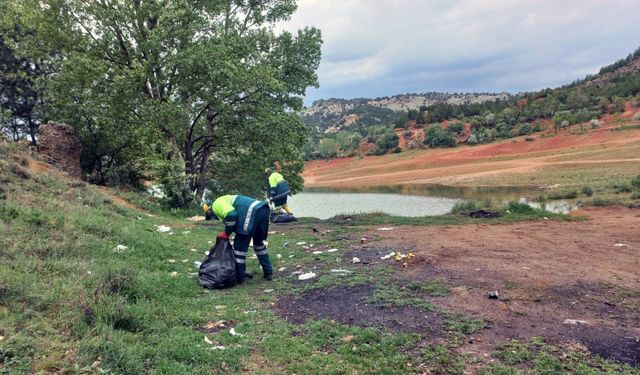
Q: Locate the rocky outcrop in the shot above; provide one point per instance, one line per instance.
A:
(58, 144)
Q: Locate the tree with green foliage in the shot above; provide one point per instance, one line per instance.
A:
(436, 136)
(328, 147)
(197, 83)
(387, 142)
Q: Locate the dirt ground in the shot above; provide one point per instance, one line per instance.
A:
(546, 273)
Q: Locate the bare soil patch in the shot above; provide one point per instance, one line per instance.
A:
(349, 305)
(547, 273)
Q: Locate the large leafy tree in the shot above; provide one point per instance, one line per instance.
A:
(205, 83)
(20, 93)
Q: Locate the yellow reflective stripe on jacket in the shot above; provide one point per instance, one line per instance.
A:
(275, 179)
(223, 206)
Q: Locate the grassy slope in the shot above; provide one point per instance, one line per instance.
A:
(70, 303)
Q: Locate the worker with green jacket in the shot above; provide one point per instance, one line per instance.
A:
(278, 190)
(249, 219)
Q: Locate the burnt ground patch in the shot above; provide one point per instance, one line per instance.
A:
(351, 306)
(609, 343)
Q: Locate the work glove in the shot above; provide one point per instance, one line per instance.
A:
(223, 236)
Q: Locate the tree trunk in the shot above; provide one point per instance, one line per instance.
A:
(206, 154)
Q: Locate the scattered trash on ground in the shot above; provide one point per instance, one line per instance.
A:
(186, 232)
(385, 229)
(483, 214)
(620, 245)
(355, 260)
(398, 256)
(286, 243)
(197, 263)
(210, 242)
(220, 307)
(342, 272)
(163, 228)
(184, 260)
(493, 295)
(120, 248)
(233, 332)
(212, 327)
(206, 253)
(253, 256)
(282, 269)
(307, 276)
(301, 243)
(196, 218)
(173, 274)
(291, 256)
(296, 273)
(279, 256)
(273, 232)
(332, 250)
(575, 321)
(171, 260)
(317, 252)
(268, 290)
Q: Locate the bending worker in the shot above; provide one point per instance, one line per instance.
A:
(278, 190)
(249, 219)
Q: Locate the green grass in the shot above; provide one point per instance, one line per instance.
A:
(538, 357)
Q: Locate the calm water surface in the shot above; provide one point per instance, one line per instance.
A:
(406, 200)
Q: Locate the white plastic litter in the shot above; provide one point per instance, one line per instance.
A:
(173, 274)
(171, 260)
(193, 250)
(355, 260)
(620, 245)
(296, 273)
(291, 256)
(210, 242)
(184, 260)
(317, 252)
(197, 263)
(341, 271)
(388, 256)
(301, 243)
(206, 339)
(120, 248)
(206, 252)
(220, 307)
(279, 256)
(233, 332)
(307, 276)
(332, 250)
(218, 347)
(268, 290)
(186, 232)
(163, 228)
(385, 229)
(575, 321)
(282, 269)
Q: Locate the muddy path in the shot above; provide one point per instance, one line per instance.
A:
(574, 283)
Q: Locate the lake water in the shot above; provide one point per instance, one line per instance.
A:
(410, 200)
(327, 205)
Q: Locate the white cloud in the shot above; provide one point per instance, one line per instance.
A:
(384, 47)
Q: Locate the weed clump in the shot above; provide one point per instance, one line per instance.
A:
(464, 206)
(586, 191)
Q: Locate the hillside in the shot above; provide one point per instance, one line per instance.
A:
(365, 127)
(332, 115)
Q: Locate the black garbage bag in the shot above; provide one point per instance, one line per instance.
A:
(218, 271)
(278, 218)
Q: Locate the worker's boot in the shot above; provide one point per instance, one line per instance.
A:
(241, 272)
(287, 209)
(265, 262)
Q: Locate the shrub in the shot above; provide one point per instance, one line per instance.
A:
(622, 188)
(457, 128)
(635, 182)
(597, 201)
(436, 136)
(464, 206)
(519, 208)
(635, 195)
(586, 191)
(175, 185)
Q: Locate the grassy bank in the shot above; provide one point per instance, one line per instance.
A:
(74, 301)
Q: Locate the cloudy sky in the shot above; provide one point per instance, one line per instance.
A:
(386, 47)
